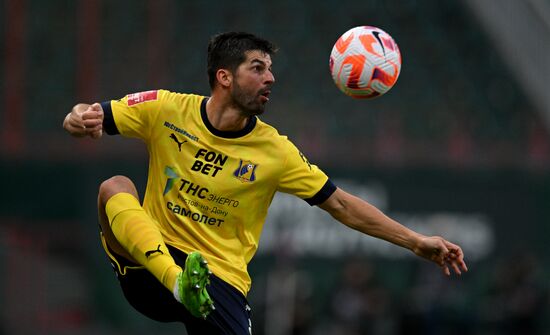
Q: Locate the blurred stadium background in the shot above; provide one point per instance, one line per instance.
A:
(459, 147)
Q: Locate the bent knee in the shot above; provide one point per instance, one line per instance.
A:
(114, 185)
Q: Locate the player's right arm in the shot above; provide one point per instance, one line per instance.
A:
(85, 120)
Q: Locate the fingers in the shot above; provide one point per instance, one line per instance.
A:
(456, 268)
(447, 255)
(443, 251)
(88, 126)
(75, 126)
(93, 130)
(456, 255)
(446, 270)
(439, 251)
(97, 134)
(93, 112)
(87, 122)
(90, 123)
(97, 107)
(455, 258)
(450, 260)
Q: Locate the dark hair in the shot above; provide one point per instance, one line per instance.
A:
(227, 51)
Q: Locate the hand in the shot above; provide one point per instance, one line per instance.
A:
(85, 120)
(443, 253)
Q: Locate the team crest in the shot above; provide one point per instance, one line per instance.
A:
(246, 171)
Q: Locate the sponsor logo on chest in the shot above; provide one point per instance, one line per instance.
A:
(208, 162)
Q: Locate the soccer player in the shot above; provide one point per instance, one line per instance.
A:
(214, 168)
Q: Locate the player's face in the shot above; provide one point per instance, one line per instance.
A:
(252, 83)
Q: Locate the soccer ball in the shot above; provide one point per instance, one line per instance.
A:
(365, 62)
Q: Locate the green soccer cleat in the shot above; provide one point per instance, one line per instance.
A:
(191, 284)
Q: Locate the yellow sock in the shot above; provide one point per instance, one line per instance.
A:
(140, 236)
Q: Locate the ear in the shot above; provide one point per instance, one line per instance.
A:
(224, 77)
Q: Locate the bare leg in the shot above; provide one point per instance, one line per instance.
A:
(109, 188)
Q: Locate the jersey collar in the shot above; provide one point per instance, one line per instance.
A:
(226, 134)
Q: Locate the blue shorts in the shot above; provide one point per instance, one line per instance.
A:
(149, 297)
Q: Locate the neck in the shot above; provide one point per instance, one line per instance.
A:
(224, 116)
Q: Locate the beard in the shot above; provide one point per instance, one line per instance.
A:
(247, 102)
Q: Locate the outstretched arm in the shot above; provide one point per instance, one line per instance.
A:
(362, 216)
(85, 120)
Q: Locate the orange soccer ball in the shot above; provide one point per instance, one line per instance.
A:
(365, 62)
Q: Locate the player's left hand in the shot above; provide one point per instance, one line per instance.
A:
(442, 252)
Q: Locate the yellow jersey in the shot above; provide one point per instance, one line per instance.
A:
(209, 190)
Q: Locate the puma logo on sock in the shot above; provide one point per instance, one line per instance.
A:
(150, 252)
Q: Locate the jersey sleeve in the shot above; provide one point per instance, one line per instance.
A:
(303, 179)
(133, 115)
